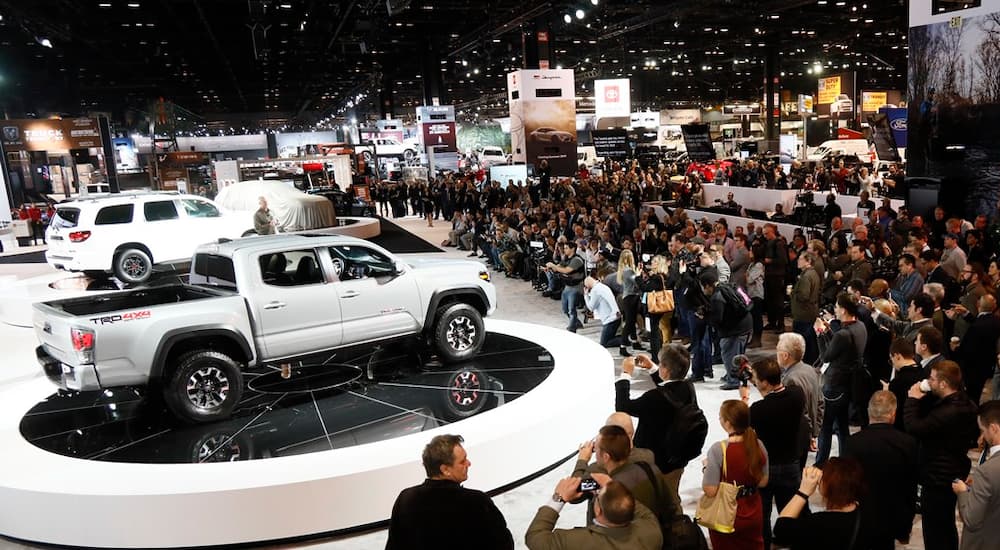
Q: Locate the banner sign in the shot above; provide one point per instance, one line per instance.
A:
(805, 104)
(612, 98)
(897, 123)
(543, 118)
(752, 109)
(504, 173)
(885, 143)
(698, 142)
(50, 134)
(829, 89)
(872, 101)
(610, 143)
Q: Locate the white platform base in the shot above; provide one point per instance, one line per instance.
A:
(59, 500)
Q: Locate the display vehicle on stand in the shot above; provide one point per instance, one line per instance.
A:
(263, 301)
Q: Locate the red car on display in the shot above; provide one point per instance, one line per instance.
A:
(707, 170)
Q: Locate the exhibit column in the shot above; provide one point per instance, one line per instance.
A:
(772, 87)
(386, 103)
(536, 47)
(433, 83)
(109, 154)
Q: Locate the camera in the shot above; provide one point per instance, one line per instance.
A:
(742, 365)
(589, 485)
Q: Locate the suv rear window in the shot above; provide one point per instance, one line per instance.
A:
(110, 215)
(159, 210)
(66, 217)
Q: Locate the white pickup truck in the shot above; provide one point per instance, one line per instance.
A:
(259, 301)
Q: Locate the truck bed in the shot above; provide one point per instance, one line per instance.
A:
(133, 299)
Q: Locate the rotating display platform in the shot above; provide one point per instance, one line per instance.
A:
(324, 451)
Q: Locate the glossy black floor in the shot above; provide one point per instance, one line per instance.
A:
(326, 404)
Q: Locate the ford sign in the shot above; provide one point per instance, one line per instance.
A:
(898, 124)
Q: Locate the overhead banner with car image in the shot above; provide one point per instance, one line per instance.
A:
(543, 118)
(836, 96)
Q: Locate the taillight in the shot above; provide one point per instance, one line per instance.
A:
(83, 344)
(79, 236)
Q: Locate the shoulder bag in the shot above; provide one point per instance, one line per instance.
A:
(718, 513)
(660, 301)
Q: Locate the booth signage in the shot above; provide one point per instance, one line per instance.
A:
(50, 134)
(752, 109)
(612, 98)
(543, 118)
(872, 101)
(698, 142)
(805, 104)
(610, 143)
(829, 89)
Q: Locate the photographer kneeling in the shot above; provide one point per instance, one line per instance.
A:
(601, 301)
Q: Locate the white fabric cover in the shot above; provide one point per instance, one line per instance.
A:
(293, 209)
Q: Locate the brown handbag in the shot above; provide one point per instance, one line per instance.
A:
(660, 301)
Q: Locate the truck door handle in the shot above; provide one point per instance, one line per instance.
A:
(275, 305)
(350, 294)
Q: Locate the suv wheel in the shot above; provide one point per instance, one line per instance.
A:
(409, 154)
(133, 266)
(205, 387)
(458, 332)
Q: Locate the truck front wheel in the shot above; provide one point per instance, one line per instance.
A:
(458, 332)
(204, 387)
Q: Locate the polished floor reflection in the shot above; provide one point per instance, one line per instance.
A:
(351, 397)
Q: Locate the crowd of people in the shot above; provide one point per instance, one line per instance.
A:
(893, 328)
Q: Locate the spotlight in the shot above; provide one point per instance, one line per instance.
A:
(595, 2)
(42, 41)
(567, 18)
(580, 14)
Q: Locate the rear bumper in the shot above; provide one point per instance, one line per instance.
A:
(75, 261)
(79, 378)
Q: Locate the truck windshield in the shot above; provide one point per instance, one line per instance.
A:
(213, 270)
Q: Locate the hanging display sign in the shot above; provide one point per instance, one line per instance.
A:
(612, 98)
(437, 128)
(750, 109)
(50, 134)
(698, 142)
(610, 143)
(543, 118)
(872, 101)
(829, 89)
(897, 123)
(805, 104)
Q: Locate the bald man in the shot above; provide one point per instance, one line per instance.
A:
(974, 353)
(625, 422)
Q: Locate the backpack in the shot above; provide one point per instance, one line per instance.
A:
(738, 303)
(679, 532)
(687, 433)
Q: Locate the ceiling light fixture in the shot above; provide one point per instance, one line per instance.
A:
(580, 14)
(567, 18)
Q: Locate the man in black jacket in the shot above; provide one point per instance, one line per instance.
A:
(732, 323)
(946, 432)
(775, 266)
(973, 353)
(779, 422)
(657, 408)
(440, 513)
(889, 459)
(908, 373)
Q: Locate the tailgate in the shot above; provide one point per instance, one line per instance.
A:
(52, 328)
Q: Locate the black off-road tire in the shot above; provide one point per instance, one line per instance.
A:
(133, 266)
(458, 332)
(205, 386)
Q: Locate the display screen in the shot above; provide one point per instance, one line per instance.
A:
(945, 6)
(548, 92)
(438, 117)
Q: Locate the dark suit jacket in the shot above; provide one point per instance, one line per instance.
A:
(656, 414)
(889, 459)
(905, 378)
(440, 514)
(977, 352)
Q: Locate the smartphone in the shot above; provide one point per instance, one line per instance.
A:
(588, 485)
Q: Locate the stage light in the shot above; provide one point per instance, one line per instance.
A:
(567, 18)
(595, 2)
(580, 14)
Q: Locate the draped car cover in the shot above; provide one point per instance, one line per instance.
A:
(293, 209)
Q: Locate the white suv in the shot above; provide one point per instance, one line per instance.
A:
(126, 234)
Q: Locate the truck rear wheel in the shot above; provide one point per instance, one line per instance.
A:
(458, 332)
(204, 387)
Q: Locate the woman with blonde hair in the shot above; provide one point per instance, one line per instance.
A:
(630, 298)
(741, 459)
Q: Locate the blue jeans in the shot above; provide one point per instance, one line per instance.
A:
(608, 332)
(731, 347)
(805, 328)
(571, 296)
(835, 415)
(782, 482)
(701, 347)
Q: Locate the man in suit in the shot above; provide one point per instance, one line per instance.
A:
(946, 431)
(973, 352)
(979, 498)
(918, 315)
(620, 523)
(657, 408)
(937, 274)
(440, 512)
(928, 344)
(797, 374)
(908, 373)
(889, 459)
(775, 264)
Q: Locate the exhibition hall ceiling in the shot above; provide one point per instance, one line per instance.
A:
(302, 61)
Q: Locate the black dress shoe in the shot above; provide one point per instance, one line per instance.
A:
(695, 379)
